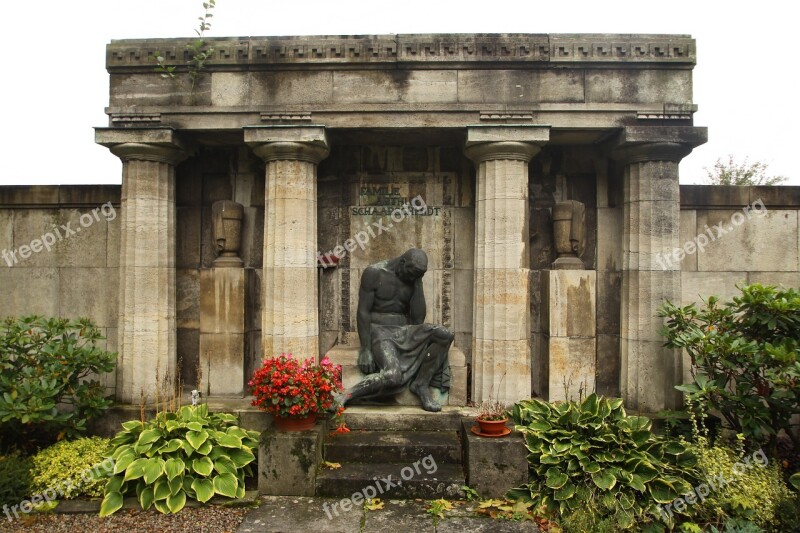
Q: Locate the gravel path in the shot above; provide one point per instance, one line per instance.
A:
(208, 519)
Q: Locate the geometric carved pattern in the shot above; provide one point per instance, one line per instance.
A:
(436, 48)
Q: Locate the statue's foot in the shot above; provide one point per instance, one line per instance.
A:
(424, 393)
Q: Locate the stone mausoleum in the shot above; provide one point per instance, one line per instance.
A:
(341, 151)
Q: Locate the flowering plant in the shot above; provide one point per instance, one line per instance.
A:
(285, 386)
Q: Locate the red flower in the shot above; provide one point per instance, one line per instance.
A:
(286, 386)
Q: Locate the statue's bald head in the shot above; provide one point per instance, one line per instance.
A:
(413, 264)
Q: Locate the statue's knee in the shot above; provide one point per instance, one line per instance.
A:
(393, 376)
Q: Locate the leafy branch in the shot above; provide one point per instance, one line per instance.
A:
(198, 50)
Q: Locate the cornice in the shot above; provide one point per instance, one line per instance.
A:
(269, 52)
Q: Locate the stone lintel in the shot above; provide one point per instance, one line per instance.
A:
(529, 133)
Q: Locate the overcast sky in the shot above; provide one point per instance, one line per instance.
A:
(54, 86)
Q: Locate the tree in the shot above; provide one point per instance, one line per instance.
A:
(744, 173)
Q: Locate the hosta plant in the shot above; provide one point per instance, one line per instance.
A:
(190, 453)
(590, 455)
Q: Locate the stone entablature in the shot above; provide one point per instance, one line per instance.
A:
(252, 52)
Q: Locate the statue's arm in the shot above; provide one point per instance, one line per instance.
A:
(416, 312)
(366, 298)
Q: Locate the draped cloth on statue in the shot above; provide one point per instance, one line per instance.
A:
(413, 345)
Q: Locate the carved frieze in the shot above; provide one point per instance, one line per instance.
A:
(436, 48)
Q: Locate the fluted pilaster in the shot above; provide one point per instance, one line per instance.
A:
(501, 313)
(651, 211)
(147, 329)
(289, 283)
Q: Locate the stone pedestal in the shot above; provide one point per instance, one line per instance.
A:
(147, 334)
(651, 214)
(288, 461)
(290, 307)
(501, 314)
(222, 330)
(494, 465)
(571, 344)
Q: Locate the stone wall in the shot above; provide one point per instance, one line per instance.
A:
(60, 247)
(78, 275)
(761, 243)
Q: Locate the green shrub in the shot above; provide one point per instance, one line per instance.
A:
(742, 486)
(591, 458)
(15, 478)
(187, 454)
(68, 467)
(745, 358)
(44, 365)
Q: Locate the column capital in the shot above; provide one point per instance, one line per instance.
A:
(162, 145)
(637, 144)
(304, 143)
(511, 142)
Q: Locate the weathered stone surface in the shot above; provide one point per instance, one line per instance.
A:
(494, 465)
(572, 301)
(571, 367)
(640, 86)
(222, 361)
(277, 514)
(416, 481)
(90, 292)
(695, 286)
(786, 279)
(520, 87)
(222, 328)
(187, 297)
(608, 365)
(393, 447)
(189, 234)
(288, 461)
(43, 282)
(609, 287)
(609, 235)
(399, 515)
(763, 240)
(688, 222)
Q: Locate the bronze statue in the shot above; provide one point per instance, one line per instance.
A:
(397, 348)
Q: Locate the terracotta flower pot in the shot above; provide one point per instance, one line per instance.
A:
(295, 423)
(493, 427)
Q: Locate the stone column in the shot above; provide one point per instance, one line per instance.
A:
(501, 353)
(651, 233)
(290, 307)
(147, 334)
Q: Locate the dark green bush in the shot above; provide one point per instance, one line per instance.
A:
(745, 358)
(593, 460)
(15, 479)
(45, 393)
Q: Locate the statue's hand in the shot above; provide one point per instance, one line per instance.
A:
(366, 363)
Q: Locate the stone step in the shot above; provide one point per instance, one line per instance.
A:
(405, 418)
(393, 447)
(415, 479)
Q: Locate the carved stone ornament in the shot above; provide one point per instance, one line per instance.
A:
(226, 216)
(568, 227)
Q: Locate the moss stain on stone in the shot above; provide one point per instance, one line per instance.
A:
(302, 452)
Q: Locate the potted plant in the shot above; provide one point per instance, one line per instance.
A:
(492, 418)
(295, 391)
